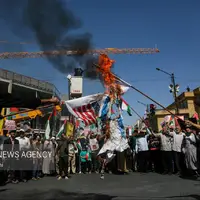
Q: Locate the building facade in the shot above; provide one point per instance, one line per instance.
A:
(11, 82)
(188, 104)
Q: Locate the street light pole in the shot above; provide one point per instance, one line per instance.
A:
(174, 92)
(174, 89)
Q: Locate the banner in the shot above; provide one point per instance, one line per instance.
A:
(69, 129)
(10, 125)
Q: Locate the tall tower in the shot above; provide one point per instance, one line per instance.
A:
(75, 83)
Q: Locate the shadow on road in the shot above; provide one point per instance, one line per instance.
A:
(62, 195)
(55, 195)
(3, 190)
(187, 197)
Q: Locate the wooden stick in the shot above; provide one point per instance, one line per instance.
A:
(134, 88)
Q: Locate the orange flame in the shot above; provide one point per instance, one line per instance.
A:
(112, 88)
(105, 64)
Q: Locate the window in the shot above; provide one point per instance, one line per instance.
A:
(198, 99)
(183, 105)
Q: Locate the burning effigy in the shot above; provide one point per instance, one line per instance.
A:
(112, 122)
(107, 108)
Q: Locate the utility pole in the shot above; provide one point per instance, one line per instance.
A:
(174, 92)
(173, 89)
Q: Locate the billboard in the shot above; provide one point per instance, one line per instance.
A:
(76, 85)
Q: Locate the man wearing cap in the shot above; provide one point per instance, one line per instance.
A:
(11, 144)
(24, 146)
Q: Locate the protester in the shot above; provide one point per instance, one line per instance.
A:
(12, 145)
(143, 151)
(190, 151)
(166, 149)
(94, 146)
(24, 145)
(158, 152)
(37, 147)
(48, 166)
(63, 152)
(178, 136)
(72, 156)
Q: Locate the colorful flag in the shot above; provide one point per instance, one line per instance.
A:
(125, 106)
(79, 145)
(85, 108)
(104, 106)
(47, 130)
(196, 116)
(2, 121)
(69, 129)
(61, 131)
(48, 126)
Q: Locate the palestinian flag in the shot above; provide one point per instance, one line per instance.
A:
(79, 145)
(48, 128)
(51, 119)
(125, 106)
(62, 129)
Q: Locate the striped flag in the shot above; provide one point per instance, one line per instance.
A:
(61, 131)
(85, 108)
(48, 124)
(48, 129)
(126, 107)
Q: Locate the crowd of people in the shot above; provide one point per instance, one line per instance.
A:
(172, 151)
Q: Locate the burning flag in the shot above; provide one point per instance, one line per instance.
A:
(85, 108)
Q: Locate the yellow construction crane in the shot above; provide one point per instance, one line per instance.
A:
(41, 54)
(29, 114)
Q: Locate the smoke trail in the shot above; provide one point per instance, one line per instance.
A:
(50, 23)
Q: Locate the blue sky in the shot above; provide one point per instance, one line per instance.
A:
(172, 25)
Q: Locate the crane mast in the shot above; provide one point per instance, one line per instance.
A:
(41, 54)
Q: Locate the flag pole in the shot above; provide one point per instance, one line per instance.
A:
(142, 119)
(137, 113)
(137, 90)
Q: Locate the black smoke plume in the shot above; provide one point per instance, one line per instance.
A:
(50, 23)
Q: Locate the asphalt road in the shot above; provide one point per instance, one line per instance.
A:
(113, 187)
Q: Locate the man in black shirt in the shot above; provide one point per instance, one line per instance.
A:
(63, 152)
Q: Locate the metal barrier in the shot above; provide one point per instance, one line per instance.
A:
(29, 81)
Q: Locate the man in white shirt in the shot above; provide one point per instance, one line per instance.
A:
(142, 150)
(166, 149)
(94, 146)
(24, 146)
(178, 136)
